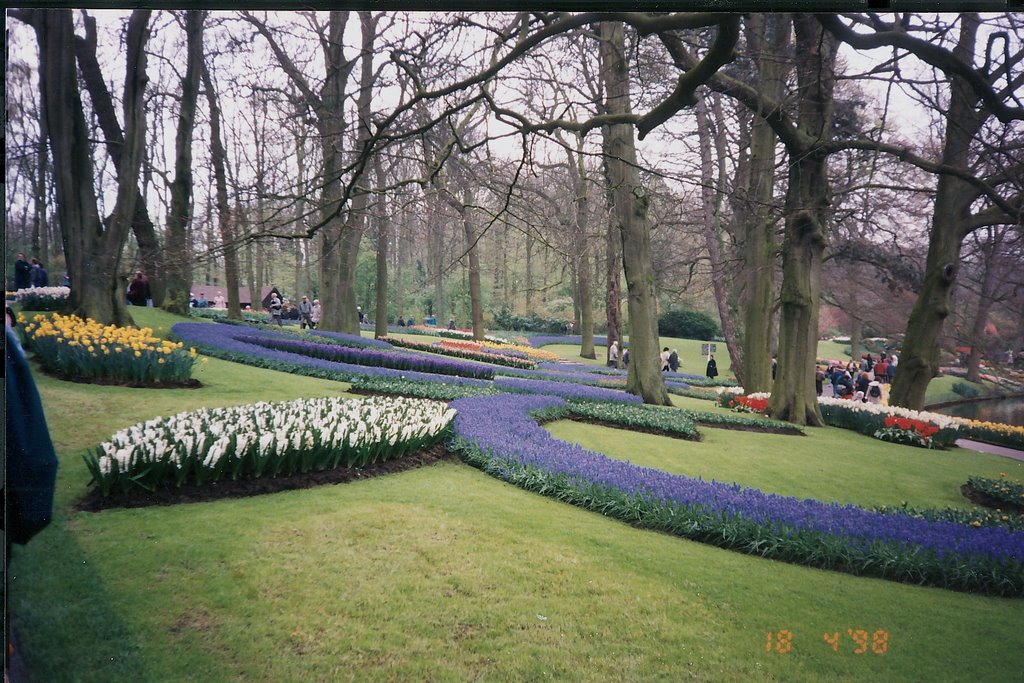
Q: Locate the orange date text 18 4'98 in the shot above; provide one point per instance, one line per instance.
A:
(861, 641)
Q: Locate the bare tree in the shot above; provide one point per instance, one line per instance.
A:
(179, 262)
(150, 250)
(976, 95)
(92, 247)
(218, 159)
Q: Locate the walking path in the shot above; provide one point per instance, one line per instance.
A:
(989, 448)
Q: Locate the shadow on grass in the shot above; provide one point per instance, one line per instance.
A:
(54, 590)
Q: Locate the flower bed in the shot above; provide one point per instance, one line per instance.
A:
(225, 341)
(908, 431)
(356, 341)
(497, 435)
(264, 440)
(463, 350)
(869, 418)
(746, 404)
(743, 422)
(438, 390)
(976, 517)
(564, 389)
(221, 315)
(999, 492)
(371, 357)
(1010, 436)
(86, 350)
(669, 421)
(468, 335)
(42, 298)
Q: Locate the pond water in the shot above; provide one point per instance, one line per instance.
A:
(1006, 410)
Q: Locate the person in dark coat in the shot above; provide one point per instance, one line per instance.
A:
(38, 275)
(138, 290)
(22, 273)
(673, 360)
(275, 308)
(712, 370)
(306, 313)
(31, 460)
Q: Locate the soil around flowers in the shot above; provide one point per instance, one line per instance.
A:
(109, 381)
(981, 498)
(194, 493)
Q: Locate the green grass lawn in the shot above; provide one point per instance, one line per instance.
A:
(446, 574)
(940, 389)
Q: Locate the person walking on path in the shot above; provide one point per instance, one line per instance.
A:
(22, 273)
(712, 370)
(305, 313)
(673, 361)
(664, 359)
(275, 310)
(314, 317)
(613, 354)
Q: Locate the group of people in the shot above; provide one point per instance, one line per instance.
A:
(859, 382)
(669, 360)
(307, 313)
(29, 273)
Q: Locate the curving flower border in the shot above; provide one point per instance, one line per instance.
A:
(497, 434)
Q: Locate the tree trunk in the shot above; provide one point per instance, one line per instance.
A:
(712, 239)
(40, 236)
(581, 268)
(476, 303)
(768, 36)
(613, 271)
(383, 238)
(178, 279)
(856, 330)
(227, 230)
(985, 301)
(645, 378)
(807, 201)
(150, 254)
(919, 358)
(92, 250)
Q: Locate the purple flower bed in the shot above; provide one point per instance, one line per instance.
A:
(226, 341)
(396, 360)
(564, 389)
(498, 434)
(354, 340)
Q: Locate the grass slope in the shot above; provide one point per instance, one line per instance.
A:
(446, 574)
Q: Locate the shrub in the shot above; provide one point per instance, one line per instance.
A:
(85, 349)
(265, 440)
(687, 325)
(965, 390)
(506, 320)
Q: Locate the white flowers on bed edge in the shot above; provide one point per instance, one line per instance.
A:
(207, 434)
(937, 419)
